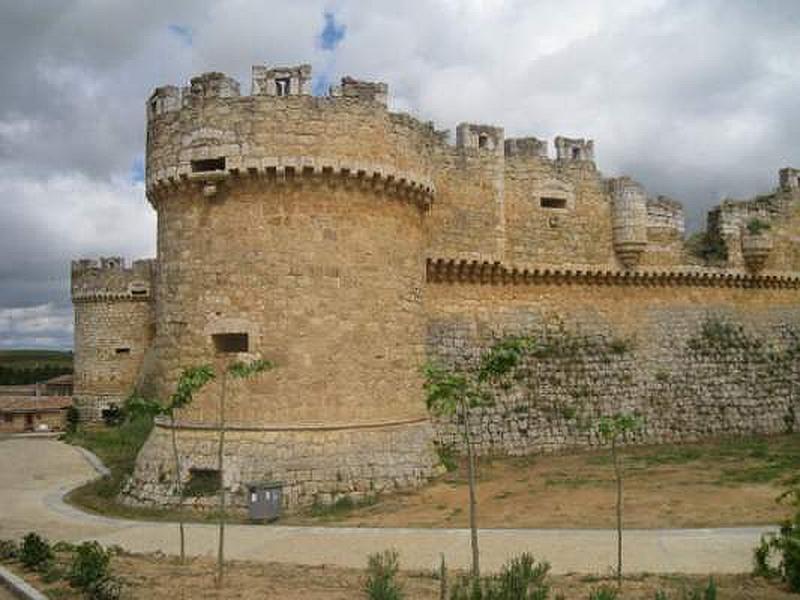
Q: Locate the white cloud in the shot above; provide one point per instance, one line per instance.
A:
(696, 98)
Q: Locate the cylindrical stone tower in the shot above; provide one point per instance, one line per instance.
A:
(113, 330)
(629, 220)
(290, 229)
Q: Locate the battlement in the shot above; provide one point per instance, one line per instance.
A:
(574, 149)
(789, 179)
(281, 81)
(480, 137)
(527, 146)
(108, 278)
(363, 90)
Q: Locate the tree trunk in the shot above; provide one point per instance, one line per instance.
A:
(618, 473)
(473, 519)
(221, 548)
(178, 485)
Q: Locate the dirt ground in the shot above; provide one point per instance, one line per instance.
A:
(157, 576)
(716, 484)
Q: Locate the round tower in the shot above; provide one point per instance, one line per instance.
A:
(113, 330)
(629, 220)
(290, 229)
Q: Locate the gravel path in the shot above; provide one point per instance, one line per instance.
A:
(34, 475)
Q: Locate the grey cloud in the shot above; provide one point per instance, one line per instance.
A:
(697, 99)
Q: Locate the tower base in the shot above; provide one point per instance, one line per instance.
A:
(315, 465)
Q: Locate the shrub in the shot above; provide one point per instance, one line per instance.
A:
(604, 593)
(382, 569)
(521, 578)
(137, 407)
(113, 415)
(35, 552)
(447, 456)
(89, 566)
(784, 545)
(757, 226)
(9, 549)
(109, 588)
(73, 418)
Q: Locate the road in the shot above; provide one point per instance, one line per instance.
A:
(35, 474)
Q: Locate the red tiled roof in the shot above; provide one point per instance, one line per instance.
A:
(34, 403)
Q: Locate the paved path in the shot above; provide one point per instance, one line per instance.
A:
(34, 474)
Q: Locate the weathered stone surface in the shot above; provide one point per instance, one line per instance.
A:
(349, 243)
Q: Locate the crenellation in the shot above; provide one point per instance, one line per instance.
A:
(213, 85)
(165, 99)
(363, 90)
(281, 81)
(527, 146)
(487, 138)
(789, 179)
(574, 149)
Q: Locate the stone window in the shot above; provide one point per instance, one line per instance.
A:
(204, 165)
(483, 141)
(230, 342)
(122, 351)
(576, 153)
(202, 482)
(546, 202)
(282, 86)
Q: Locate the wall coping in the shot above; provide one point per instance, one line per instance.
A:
(495, 273)
(235, 426)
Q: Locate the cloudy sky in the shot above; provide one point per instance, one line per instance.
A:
(696, 99)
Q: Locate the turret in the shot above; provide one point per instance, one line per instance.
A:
(629, 220)
(113, 329)
(486, 138)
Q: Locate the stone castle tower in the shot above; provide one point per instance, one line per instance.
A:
(347, 244)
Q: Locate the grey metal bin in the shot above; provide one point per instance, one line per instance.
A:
(264, 500)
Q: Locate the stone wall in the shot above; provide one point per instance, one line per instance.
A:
(316, 466)
(692, 361)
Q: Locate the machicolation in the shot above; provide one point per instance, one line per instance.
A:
(349, 244)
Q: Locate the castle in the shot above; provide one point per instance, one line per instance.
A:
(348, 244)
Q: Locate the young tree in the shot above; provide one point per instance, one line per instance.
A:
(452, 391)
(613, 429)
(236, 370)
(190, 382)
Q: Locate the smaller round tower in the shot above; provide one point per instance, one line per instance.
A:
(629, 220)
(113, 330)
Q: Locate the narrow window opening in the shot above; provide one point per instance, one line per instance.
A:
(123, 350)
(576, 153)
(282, 86)
(553, 202)
(230, 342)
(203, 482)
(138, 292)
(483, 141)
(154, 106)
(204, 165)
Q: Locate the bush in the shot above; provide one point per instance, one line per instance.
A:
(73, 418)
(109, 588)
(89, 566)
(137, 407)
(785, 545)
(604, 593)
(9, 549)
(35, 552)
(521, 578)
(113, 415)
(381, 572)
